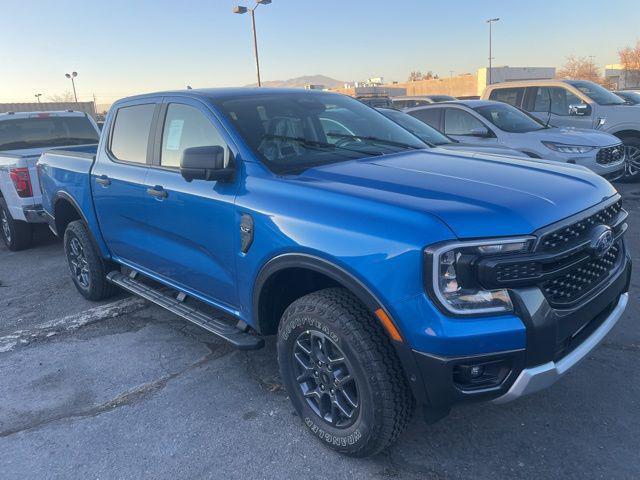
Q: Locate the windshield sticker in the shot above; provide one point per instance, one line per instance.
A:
(175, 134)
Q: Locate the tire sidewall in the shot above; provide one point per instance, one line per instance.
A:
(69, 235)
(3, 207)
(342, 439)
(631, 142)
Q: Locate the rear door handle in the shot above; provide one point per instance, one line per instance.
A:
(103, 180)
(158, 192)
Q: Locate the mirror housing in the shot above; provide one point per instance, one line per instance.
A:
(482, 132)
(579, 110)
(205, 163)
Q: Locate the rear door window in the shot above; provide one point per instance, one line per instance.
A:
(430, 116)
(459, 122)
(555, 100)
(130, 134)
(512, 96)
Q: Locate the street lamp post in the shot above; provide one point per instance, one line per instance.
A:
(38, 95)
(252, 11)
(73, 75)
(490, 21)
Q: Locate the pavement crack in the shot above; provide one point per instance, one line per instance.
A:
(631, 347)
(131, 397)
(70, 323)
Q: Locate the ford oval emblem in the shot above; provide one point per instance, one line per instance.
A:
(601, 240)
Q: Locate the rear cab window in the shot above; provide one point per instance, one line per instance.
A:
(42, 130)
(130, 133)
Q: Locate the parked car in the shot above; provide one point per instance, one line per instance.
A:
(433, 137)
(375, 100)
(630, 96)
(23, 137)
(390, 274)
(579, 104)
(417, 101)
(488, 123)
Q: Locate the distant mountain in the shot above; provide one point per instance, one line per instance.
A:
(300, 82)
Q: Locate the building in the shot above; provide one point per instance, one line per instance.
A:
(471, 85)
(511, 74)
(620, 78)
(86, 107)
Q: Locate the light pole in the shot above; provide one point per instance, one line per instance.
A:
(490, 21)
(38, 95)
(241, 10)
(73, 75)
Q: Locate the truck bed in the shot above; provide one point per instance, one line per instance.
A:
(65, 172)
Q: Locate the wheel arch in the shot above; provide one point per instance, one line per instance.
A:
(266, 313)
(65, 211)
(312, 271)
(627, 133)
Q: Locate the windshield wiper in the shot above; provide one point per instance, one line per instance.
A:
(374, 139)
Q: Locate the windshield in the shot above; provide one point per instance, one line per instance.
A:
(290, 132)
(425, 132)
(595, 92)
(508, 118)
(630, 97)
(46, 131)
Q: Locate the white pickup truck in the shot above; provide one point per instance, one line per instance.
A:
(23, 137)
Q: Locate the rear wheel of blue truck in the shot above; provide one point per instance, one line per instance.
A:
(17, 235)
(342, 374)
(88, 270)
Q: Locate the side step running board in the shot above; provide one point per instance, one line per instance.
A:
(240, 339)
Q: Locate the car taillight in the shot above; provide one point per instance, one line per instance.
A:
(22, 181)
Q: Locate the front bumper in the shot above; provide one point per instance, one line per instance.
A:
(556, 340)
(538, 378)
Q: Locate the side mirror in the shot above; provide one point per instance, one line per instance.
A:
(482, 132)
(205, 163)
(579, 110)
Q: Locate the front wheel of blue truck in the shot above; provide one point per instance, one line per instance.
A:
(342, 374)
(88, 270)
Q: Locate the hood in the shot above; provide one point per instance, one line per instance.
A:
(573, 136)
(495, 150)
(475, 195)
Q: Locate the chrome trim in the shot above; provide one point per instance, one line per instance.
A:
(542, 376)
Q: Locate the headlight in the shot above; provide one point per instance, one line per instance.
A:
(453, 283)
(563, 148)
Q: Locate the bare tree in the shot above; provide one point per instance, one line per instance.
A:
(630, 61)
(65, 97)
(580, 68)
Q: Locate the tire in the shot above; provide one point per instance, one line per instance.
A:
(632, 166)
(87, 269)
(377, 396)
(16, 234)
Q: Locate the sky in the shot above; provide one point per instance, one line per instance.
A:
(125, 47)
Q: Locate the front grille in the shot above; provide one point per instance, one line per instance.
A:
(579, 230)
(610, 155)
(577, 282)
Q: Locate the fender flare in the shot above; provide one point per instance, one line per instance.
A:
(317, 264)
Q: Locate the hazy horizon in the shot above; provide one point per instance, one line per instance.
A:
(128, 48)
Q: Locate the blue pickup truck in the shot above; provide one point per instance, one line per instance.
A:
(393, 274)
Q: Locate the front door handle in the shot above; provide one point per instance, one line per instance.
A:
(103, 180)
(158, 192)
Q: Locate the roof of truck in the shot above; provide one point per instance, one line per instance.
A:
(231, 92)
(41, 114)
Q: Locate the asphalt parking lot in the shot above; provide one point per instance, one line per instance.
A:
(126, 390)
